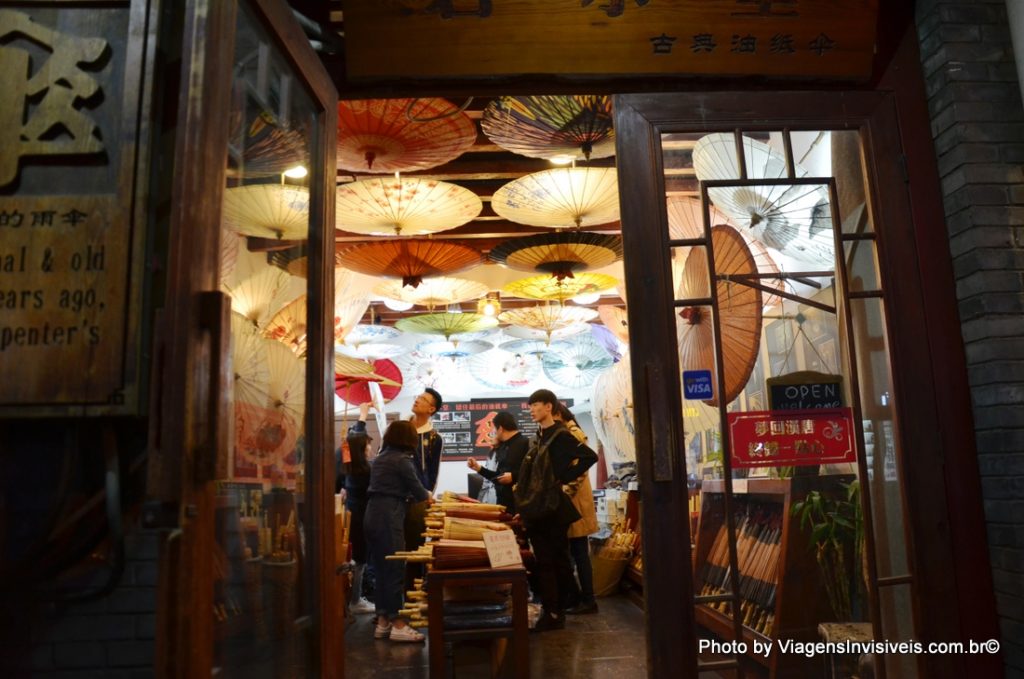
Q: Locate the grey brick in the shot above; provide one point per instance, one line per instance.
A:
(994, 33)
(1003, 511)
(996, 372)
(998, 416)
(972, 13)
(146, 573)
(93, 627)
(1011, 153)
(142, 546)
(991, 327)
(1010, 606)
(130, 653)
(982, 258)
(976, 52)
(1007, 559)
(1004, 488)
(145, 626)
(997, 395)
(985, 281)
(1010, 583)
(980, 238)
(1006, 457)
(133, 600)
(1005, 535)
(78, 654)
(42, 657)
(968, 153)
(959, 33)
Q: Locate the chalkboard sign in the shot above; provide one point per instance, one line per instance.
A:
(805, 390)
(465, 426)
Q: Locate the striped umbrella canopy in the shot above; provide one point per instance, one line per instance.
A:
(401, 135)
(562, 126)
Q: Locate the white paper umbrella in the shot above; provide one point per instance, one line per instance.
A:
(267, 211)
(364, 333)
(561, 197)
(546, 319)
(615, 319)
(542, 336)
(289, 325)
(286, 387)
(454, 349)
(371, 351)
(534, 348)
(578, 366)
(248, 360)
(502, 370)
(433, 292)
(793, 219)
(407, 206)
(613, 412)
(261, 295)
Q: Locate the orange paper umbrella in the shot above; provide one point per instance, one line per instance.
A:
(550, 287)
(401, 135)
(561, 254)
(403, 206)
(572, 126)
(739, 309)
(410, 259)
(561, 197)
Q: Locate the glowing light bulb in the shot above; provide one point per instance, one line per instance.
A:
(297, 172)
(397, 304)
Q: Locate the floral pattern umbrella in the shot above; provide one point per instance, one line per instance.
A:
(504, 371)
(371, 350)
(448, 349)
(793, 219)
(578, 366)
(410, 259)
(267, 211)
(739, 309)
(562, 197)
(401, 135)
(560, 254)
(263, 149)
(364, 333)
(551, 288)
(289, 325)
(404, 206)
(573, 126)
(612, 412)
(434, 292)
(534, 348)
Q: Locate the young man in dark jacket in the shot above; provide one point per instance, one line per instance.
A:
(555, 458)
(508, 456)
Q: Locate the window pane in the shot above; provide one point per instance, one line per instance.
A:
(861, 266)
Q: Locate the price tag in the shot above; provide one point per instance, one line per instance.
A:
(502, 548)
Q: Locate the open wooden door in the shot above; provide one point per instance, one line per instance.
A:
(710, 184)
(242, 470)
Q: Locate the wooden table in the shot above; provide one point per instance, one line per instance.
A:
(438, 580)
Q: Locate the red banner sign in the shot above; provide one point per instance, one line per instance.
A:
(785, 438)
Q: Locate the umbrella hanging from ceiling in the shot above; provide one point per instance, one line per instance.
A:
(263, 148)
(560, 254)
(793, 219)
(612, 412)
(578, 366)
(607, 340)
(401, 135)
(534, 348)
(403, 206)
(351, 367)
(365, 333)
(685, 220)
(500, 370)
(411, 259)
(371, 350)
(550, 287)
(739, 308)
(615, 319)
(260, 295)
(248, 360)
(573, 126)
(433, 292)
(454, 350)
(547, 319)
(289, 325)
(355, 389)
(446, 324)
(562, 197)
(267, 211)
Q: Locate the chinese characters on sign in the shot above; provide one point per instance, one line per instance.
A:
(465, 426)
(773, 438)
(57, 94)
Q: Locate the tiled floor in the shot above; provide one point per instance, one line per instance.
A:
(607, 645)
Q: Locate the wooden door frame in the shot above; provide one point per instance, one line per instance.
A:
(941, 524)
(194, 371)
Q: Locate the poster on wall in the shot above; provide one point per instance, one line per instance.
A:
(465, 426)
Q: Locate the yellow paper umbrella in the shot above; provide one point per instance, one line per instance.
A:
(433, 292)
(401, 135)
(259, 296)
(560, 254)
(547, 319)
(405, 206)
(560, 197)
(351, 367)
(739, 308)
(446, 324)
(267, 211)
(248, 360)
(550, 287)
(566, 126)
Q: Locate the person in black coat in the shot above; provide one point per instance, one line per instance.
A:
(356, 481)
(508, 455)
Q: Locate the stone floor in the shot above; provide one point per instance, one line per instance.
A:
(607, 645)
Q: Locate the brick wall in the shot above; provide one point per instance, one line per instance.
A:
(978, 125)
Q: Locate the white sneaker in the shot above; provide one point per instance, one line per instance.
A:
(406, 633)
(382, 631)
(362, 606)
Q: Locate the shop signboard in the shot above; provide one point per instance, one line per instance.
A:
(804, 390)
(73, 183)
(465, 426)
(788, 438)
(478, 38)
(697, 385)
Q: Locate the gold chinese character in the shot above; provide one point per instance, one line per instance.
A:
(761, 428)
(778, 427)
(59, 89)
(807, 426)
(792, 427)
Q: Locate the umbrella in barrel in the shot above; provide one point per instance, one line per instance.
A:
(739, 308)
(401, 135)
(576, 126)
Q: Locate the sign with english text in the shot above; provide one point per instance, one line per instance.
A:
(788, 438)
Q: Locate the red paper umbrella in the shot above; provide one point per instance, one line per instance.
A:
(401, 135)
(356, 389)
(411, 259)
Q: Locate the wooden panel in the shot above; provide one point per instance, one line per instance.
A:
(471, 38)
(72, 196)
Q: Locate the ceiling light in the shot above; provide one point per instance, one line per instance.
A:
(397, 305)
(297, 172)
(562, 159)
(489, 305)
(587, 298)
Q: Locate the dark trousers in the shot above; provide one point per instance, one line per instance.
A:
(579, 548)
(384, 521)
(554, 569)
(415, 526)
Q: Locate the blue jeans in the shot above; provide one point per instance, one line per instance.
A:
(385, 534)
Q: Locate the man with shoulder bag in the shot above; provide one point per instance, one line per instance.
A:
(555, 458)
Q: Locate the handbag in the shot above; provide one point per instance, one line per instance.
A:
(538, 493)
